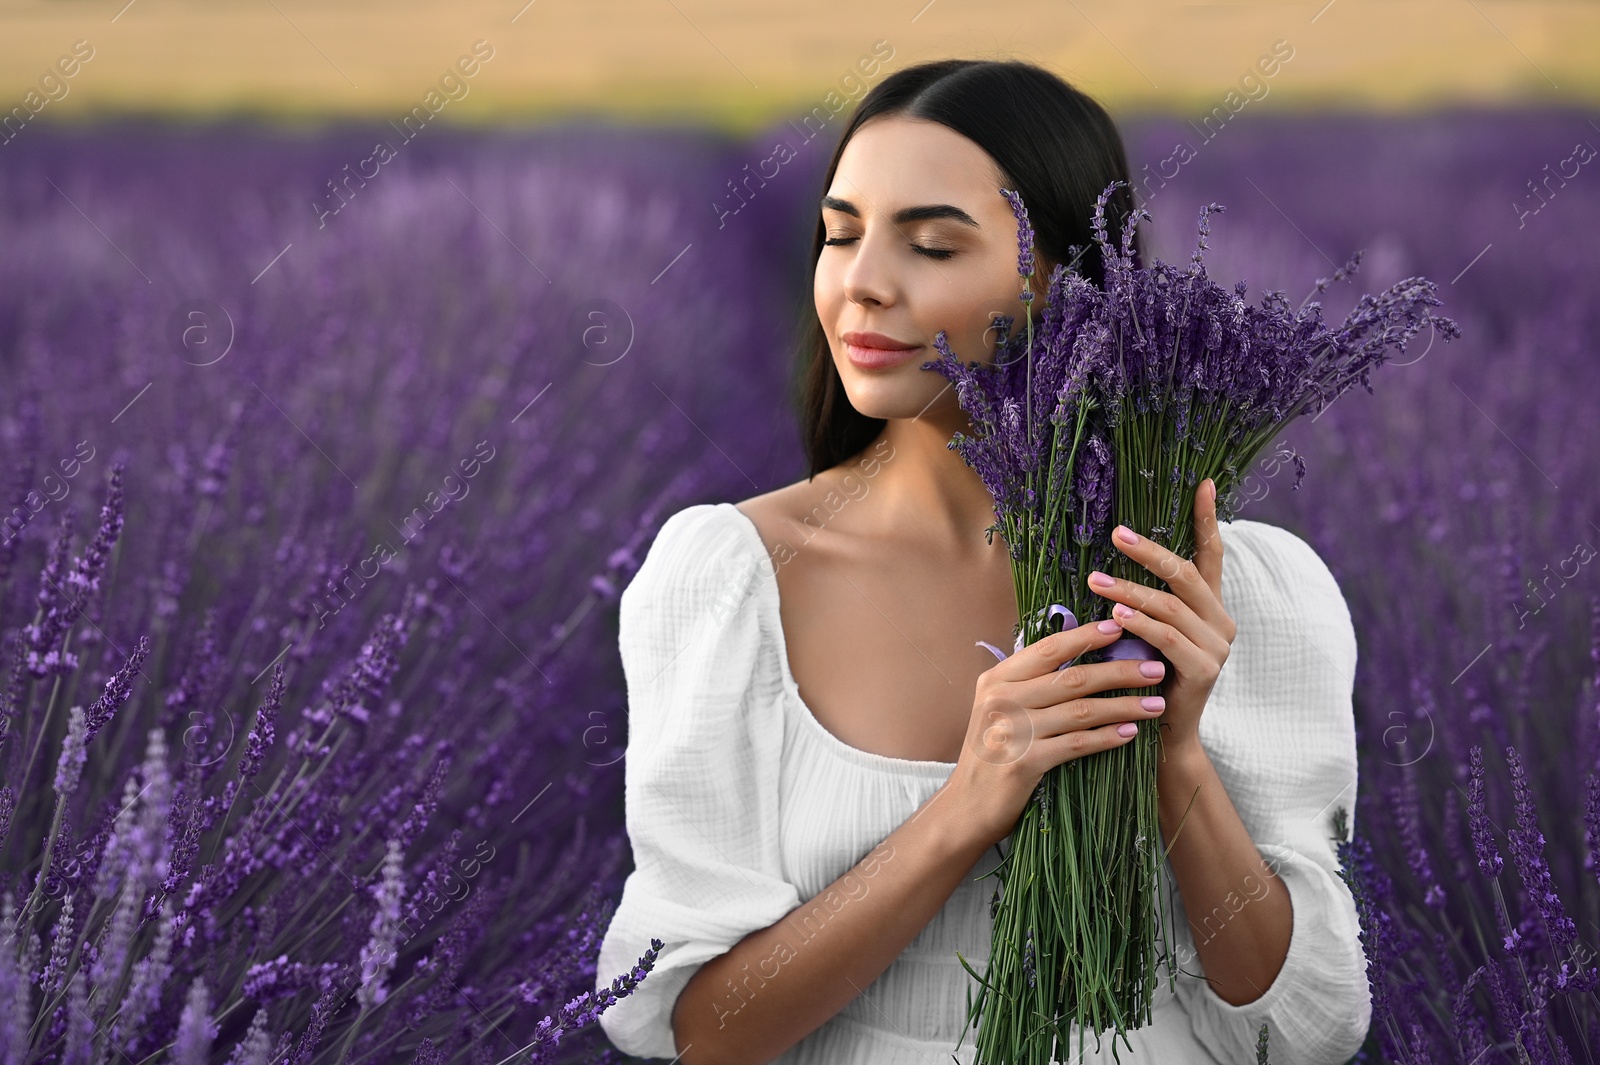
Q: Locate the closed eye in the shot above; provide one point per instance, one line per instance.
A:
(932, 253)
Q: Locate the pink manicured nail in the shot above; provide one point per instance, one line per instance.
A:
(1109, 626)
(1122, 610)
(1151, 669)
(1127, 535)
(1101, 580)
(1127, 728)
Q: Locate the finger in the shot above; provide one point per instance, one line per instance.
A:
(1045, 656)
(1189, 585)
(1080, 743)
(1164, 607)
(1092, 713)
(1191, 662)
(1084, 679)
(1208, 537)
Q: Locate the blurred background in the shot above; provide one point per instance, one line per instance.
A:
(351, 356)
(740, 67)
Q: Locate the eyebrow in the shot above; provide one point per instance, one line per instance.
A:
(907, 214)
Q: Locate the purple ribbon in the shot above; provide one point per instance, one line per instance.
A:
(1129, 646)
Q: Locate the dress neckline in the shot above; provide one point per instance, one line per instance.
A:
(867, 759)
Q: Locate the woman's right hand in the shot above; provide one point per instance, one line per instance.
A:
(1029, 716)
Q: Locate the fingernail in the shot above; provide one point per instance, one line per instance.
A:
(1153, 703)
(1151, 669)
(1101, 580)
(1127, 535)
(1122, 610)
(1127, 728)
(1109, 626)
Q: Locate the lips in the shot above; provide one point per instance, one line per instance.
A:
(876, 342)
(874, 351)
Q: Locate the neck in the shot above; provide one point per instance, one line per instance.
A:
(926, 487)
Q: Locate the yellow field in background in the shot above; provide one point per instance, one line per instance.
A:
(743, 65)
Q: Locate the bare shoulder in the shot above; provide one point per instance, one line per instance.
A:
(795, 512)
(778, 513)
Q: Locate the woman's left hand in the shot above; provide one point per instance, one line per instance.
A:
(1187, 625)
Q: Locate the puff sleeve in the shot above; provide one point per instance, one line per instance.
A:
(700, 772)
(1283, 744)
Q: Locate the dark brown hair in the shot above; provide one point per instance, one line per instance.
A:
(1056, 146)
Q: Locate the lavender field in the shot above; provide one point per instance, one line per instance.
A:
(323, 468)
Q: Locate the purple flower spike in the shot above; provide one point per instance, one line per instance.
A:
(1024, 233)
(116, 692)
(1197, 261)
(1527, 851)
(1478, 819)
(1591, 824)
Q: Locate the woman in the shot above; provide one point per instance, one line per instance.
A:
(814, 785)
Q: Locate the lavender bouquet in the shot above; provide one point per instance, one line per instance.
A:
(1111, 412)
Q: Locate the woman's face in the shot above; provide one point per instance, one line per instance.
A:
(918, 239)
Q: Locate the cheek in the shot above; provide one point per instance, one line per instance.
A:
(827, 290)
(971, 328)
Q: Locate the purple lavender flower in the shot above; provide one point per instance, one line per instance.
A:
(588, 1006)
(116, 691)
(1408, 819)
(1024, 233)
(84, 579)
(61, 945)
(1478, 820)
(149, 977)
(1370, 888)
(219, 457)
(1527, 851)
(1591, 824)
(44, 655)
(1470, 1032)
(377, 956)
(77, 1024)
(256, 1046)
(261, 732)
(73, 755)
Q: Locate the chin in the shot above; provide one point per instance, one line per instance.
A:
(904, 392)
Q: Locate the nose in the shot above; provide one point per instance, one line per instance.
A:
(869, 278)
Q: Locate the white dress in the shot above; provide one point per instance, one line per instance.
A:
(740, 805)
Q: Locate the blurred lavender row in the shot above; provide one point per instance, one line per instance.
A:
(365, 778)
(1456, 505)
(311, 703)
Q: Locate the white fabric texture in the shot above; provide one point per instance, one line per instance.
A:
(740, 805)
